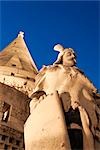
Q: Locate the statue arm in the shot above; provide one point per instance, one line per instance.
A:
(87, 134)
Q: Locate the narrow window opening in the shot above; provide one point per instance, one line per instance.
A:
(13, 65)
(11, 140)
(6, 147)
(6, 110)
(12, 74)
(3, 137)
(17, 143)
(25, 83)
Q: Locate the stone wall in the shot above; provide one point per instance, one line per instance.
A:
(19, 79)
(15, 103)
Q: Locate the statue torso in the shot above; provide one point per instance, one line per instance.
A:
(59, 78)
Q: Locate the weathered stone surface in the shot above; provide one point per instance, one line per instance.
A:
(17, 72)
(47, 125)
(19, 109)
(17, 69)
(12, 128)
(16, 55)
(77, 94)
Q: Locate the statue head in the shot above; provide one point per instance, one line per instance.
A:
(66, 56)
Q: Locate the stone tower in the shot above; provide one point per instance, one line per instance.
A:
(17, 73)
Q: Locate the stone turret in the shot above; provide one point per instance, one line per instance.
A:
(17, 73)
(17, 69)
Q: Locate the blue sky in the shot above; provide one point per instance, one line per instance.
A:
(45, 23)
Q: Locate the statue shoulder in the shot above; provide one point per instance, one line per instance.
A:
(46, 69)
(50, 68)
(83, 78)
(40, 73)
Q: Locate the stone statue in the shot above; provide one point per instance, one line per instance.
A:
(76, 93)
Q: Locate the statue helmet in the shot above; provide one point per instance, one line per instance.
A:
(61, 51)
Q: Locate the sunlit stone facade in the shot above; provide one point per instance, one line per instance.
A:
(17, 72)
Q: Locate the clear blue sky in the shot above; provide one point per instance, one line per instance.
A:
(45, 23)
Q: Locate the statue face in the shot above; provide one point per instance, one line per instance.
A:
(69, 58)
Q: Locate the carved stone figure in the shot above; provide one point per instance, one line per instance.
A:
(77, 96)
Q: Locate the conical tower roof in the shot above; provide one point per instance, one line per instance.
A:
(17, 55)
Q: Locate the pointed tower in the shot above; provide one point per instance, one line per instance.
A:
(17, 68)
(17, 73)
